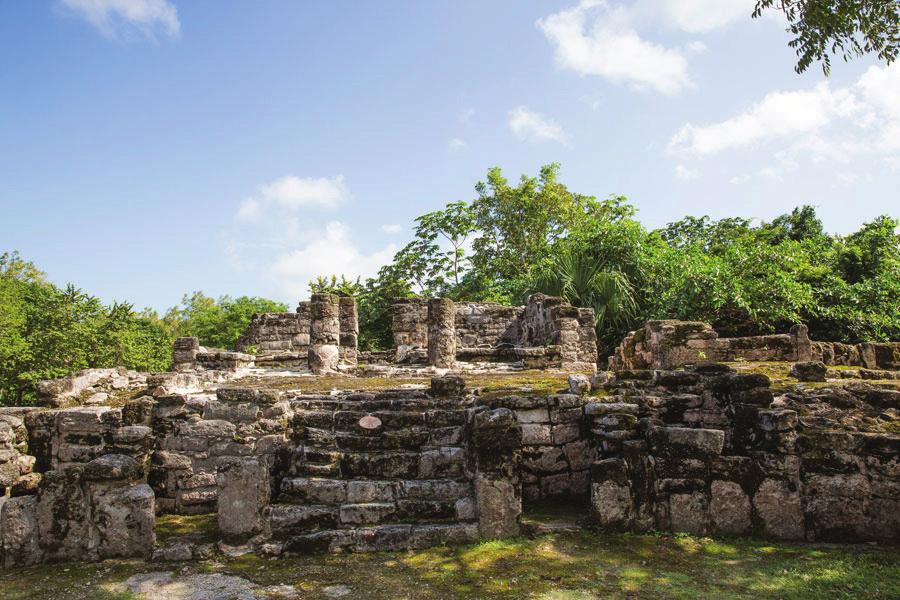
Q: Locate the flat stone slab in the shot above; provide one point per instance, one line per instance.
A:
(168, 586)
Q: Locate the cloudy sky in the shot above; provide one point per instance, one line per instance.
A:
(149, 148)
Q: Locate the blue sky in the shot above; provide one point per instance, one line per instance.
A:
(149, 148)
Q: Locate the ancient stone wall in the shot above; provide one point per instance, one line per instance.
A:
(710, 451)
(487, 324)
(871, 355)
(91, 512)
(671, 344)
(189, 355)
(278, 338)
(557, 450)
(410, 329)
(546, 333)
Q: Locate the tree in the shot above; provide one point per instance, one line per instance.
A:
(583, 281)
(846, 28)
(217, 323)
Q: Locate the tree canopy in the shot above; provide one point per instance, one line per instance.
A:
(845, 28)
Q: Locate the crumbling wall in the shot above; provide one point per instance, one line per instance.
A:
(278, 338)
(669, 344)
(194, 435)
(189, 355)
(556, 449)
(711, 451)
(90, 512)
(546, 333)
(487, 324)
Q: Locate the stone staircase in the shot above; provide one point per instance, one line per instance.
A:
(375, 472)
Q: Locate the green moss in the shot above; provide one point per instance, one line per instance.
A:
(550, 567)
(198, 528)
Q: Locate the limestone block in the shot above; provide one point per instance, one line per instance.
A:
(369, 513)
(729, 508)
(243, 495)
(809, 370)
(611, 504)
(314, 490)
(124, 521)
(19, 532)
(685, 441)
(688, 512)
(441, 333)
(779, 508)
(499, 507)
(288, 519)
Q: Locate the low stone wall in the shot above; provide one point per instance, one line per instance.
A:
(546, 333)
(557, 451)
(189, 355)
(278, 338)
(671, 344)
(91, 512)
(871, 355)
(710, 451)
(88, 386)
(487, 324)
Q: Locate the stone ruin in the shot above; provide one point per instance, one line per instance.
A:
(546, 333)
(666, 440)
(671, 344)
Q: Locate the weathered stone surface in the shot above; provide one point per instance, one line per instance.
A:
(243, 494)
(441, 333)
(687, 441)
(809, 370)
(125, 522)
(688, 512)
(729, 508)
(779, 508)
(579, 384)
(499, 507)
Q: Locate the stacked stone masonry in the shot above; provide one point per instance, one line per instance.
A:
(545, 333)
(711, 451)
(671, 344)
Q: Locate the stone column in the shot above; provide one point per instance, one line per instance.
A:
(324, 333)
(184, 356)
(496, 438)
(442, 333)
(243, 498)
(800, 336)
(349, 331)
(410, 329)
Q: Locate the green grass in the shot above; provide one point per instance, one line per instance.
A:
(558, 567)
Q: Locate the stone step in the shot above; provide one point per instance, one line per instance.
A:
(292, 519)
(327, 491)
(402, 536)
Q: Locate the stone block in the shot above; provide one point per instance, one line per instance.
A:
(779, 508)
(688, 512)
(684, 441)
(243, 495)
(499, 507)
(729, 508)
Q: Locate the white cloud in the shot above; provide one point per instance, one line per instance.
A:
(685, 174)
(456, 144)
(306, 192)
(739, 179)
(777, 115)
(880, 86)
(466, 115)
(530, 126)
(123, 18)
(696, 16)
(611, 48)
(392, 228)
(696, 47)
(330, 252)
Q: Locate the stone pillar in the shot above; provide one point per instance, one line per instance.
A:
(800, 337)
(410, 329)
(349, 331)
(243, 499)
(184, 356)
(496, 437)
(324, 333)
(442, 333)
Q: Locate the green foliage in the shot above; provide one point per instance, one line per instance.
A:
(846, 28)
(217, 323)
(48, 332)
(513, 240)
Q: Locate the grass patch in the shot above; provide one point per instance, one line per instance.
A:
(196, 528)
(549, 567)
